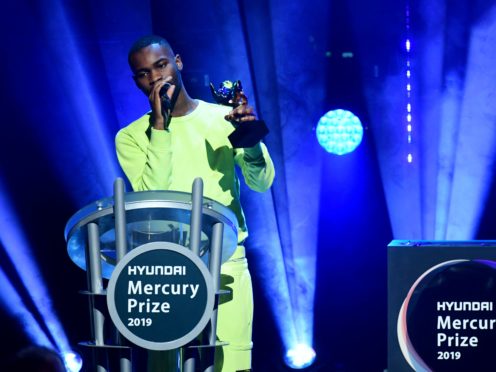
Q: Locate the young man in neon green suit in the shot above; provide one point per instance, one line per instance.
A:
(158, 152)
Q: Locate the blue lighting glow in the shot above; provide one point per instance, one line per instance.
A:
(300, 356)
(17, 248)
(14, 304)
(90, 136)
(72, 361)
(339, 132)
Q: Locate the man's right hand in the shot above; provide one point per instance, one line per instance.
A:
(158, 120)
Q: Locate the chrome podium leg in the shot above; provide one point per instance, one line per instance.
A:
(95, 284)
(121, 250)
(215, 261)
(214, 266)
(190, 356)
(95, 280)
(196, 216)
(120, 219)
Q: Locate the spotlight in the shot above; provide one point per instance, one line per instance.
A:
(300, 356)
(16, 246)
(72, 361)
(339, 132)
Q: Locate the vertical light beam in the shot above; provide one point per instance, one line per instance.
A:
(16, 307)
(85, 106)
(17, 248)
(476, 146)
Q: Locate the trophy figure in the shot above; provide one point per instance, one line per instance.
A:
(246, 134)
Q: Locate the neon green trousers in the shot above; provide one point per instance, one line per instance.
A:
(234, 321)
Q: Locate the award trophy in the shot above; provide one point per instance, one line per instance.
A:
(246, 134)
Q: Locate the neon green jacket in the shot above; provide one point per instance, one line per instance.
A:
(195, 145)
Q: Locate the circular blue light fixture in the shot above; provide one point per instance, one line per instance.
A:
(339, 132)
(72, 361)
(300, 356)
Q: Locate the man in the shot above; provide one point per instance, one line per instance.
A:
(168, 149)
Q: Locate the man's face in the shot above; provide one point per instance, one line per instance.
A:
(154, 63)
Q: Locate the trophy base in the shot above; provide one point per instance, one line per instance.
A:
(248, 134)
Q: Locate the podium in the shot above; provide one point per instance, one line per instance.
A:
(162, 252)
(441, 305)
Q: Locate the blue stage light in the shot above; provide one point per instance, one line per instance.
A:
(16, 246)
(339, 132)
(89, 139)
(72, 361)
(15, 306)
(300, 356)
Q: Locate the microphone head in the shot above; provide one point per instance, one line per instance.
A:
(166, 101)
(163, 91)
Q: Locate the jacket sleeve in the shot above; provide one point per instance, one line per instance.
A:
(257, 167)
(145, 163)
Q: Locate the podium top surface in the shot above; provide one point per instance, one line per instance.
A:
(442, 243)
(150, 216)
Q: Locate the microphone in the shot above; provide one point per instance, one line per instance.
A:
(165, 100)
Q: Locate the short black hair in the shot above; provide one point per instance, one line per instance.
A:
(145, 41)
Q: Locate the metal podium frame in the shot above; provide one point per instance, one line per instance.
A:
(83, 229)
